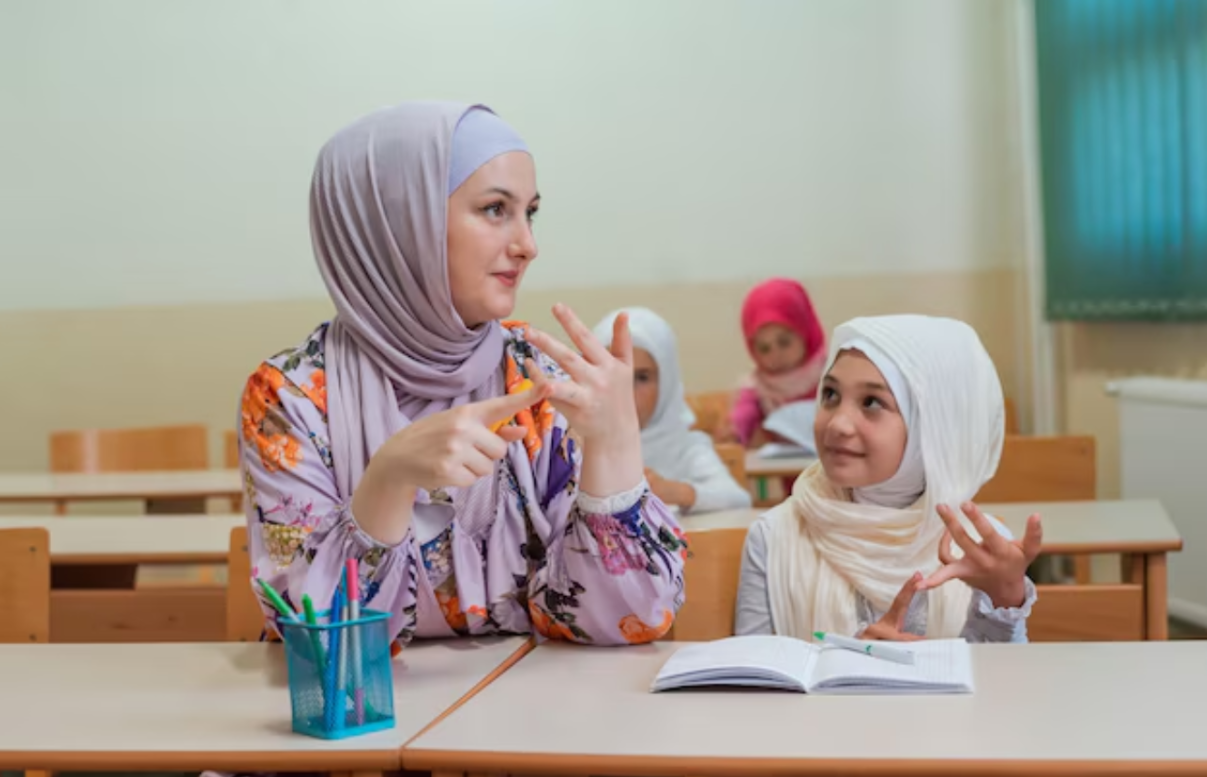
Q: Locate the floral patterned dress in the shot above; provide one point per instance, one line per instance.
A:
(536, 552)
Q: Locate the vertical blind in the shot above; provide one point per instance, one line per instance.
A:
(1123, 135)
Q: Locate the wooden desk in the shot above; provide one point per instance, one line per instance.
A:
(61, 489)
(760, 470)
(758, 467)
(192, 613)
(187, 707)
(1055, 709)
(1140, 529)
(138, 539)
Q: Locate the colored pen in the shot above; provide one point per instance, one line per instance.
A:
(333, 718)
(315, 641)
(276, 601)
(358, 688)
(871, 648)
(497, 425)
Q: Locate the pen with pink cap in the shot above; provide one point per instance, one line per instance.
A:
(358, 686)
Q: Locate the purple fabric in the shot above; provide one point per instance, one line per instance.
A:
(396, 350)
(480, 137)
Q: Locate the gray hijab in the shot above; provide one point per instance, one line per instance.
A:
(397, 350)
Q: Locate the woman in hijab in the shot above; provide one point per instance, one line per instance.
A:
(909, 425)
(681, 465)
(423, 435)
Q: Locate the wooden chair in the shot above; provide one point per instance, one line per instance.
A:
(152, 449)
(713, 567)
(1046, 469)
(711, 409)
(244, 619)
(230, 460)
(24, 585)
(734, 458)
(1011, 417)
(130, 450)
(230, 449)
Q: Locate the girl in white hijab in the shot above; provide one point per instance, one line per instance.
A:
(681, 465)
(909, 427)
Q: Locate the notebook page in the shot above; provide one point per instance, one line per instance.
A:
(939, 665)
(739, 661)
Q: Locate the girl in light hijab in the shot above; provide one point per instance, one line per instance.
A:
(422, 435)
(681, 465)
(909, 427)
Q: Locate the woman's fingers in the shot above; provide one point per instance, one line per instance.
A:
(582, 337)
(571, 362)
(622, 340)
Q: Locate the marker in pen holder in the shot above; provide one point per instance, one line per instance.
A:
(341, 681)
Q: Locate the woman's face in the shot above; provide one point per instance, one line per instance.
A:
(777, 348)
(859, 431)
(490, 241)
(645, 385)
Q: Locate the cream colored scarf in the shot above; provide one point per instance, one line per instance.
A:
(825, 548)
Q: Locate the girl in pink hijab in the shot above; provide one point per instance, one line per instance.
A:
(788, 344)
(423, 434)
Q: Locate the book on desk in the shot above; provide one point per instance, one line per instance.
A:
(789, 664)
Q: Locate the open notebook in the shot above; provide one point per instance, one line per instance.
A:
(784, 663)
(794, 424)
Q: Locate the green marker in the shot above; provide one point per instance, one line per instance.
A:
(276, 601)
(874, 649)
(312, 619)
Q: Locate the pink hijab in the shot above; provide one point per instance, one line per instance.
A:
(785, 302)
(397, 350)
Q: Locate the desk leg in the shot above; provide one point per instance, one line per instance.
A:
(1156, 597)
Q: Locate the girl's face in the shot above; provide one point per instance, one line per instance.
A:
(490, 242)
(645, 384)
(777, 349)
(859, 431)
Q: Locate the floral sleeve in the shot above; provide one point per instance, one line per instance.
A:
(299, 532)
(604, 570)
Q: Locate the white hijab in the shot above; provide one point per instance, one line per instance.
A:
(828, 544)
(668, 433)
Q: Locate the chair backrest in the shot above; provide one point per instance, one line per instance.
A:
(130, 450)
(1044, 469)
(230, 449)
(713, 567)
(24, 585)
(711, 409)
(733, 456)
(244, 619)
(1011, 417)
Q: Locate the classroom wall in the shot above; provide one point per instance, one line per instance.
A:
(156, 161)
(1091, 355)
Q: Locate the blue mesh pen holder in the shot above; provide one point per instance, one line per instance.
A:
(341, 680)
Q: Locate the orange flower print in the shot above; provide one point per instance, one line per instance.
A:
(546, 625)
(682, 537)
(450, 607)
(636, 632)
(316, 390)
(263, 423)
